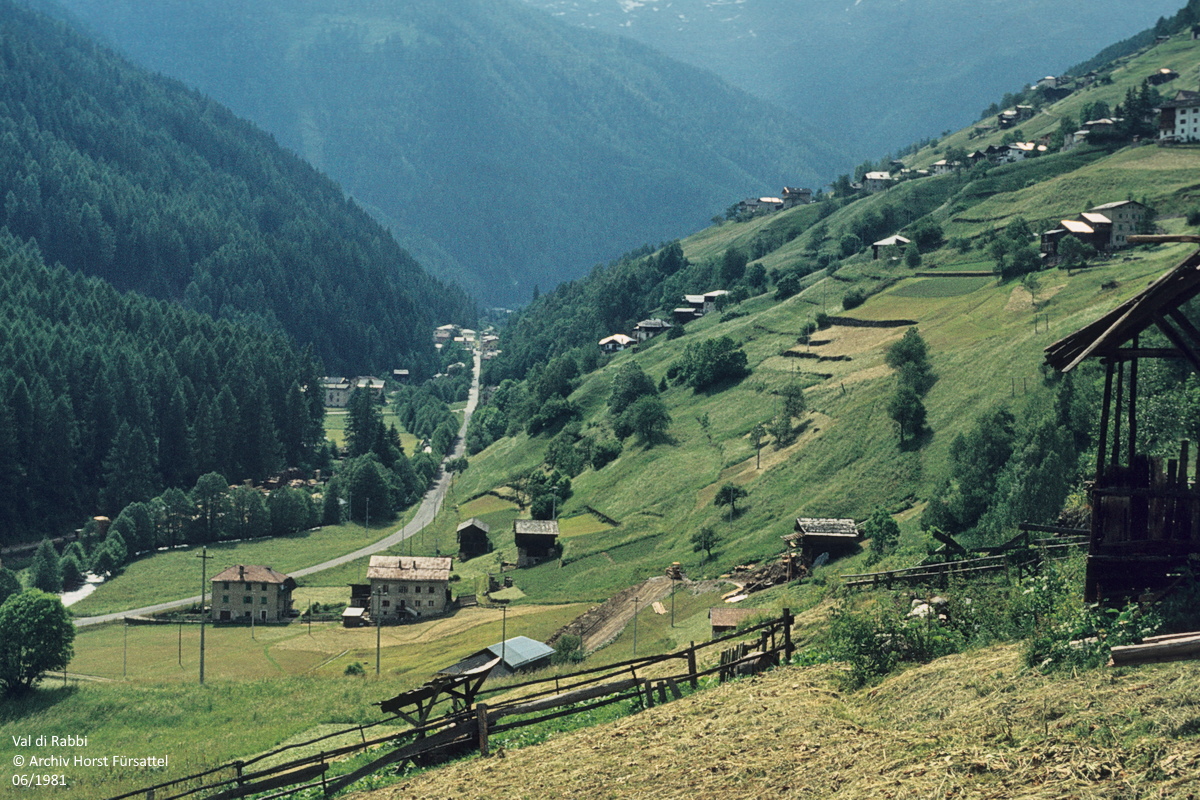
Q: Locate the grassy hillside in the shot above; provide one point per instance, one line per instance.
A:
(985, 338)
(969, 725)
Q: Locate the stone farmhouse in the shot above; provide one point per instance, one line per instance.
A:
(242, 593)
(408, 587)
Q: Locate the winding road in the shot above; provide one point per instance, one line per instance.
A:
(431, 504)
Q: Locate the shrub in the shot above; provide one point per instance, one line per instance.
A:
(355, 668)
(854, 298)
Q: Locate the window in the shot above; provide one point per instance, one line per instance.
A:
(247, 600)
(403, 589)
(264, 600)
(226, 586)
(224, 598)
(387, 603)
(385, 588)
(264, 587)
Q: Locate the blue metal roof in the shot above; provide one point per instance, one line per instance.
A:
(521, 650)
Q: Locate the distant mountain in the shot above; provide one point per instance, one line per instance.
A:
(874, 74)
(505, 148)
(131, 177)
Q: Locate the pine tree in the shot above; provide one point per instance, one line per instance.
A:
(45, 572)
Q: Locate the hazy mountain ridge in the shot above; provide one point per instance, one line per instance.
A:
(873, 74)
(503, 147)
(134, 179)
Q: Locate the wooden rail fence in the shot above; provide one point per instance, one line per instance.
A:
(466, 727)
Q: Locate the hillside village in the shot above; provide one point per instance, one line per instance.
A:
(787, 564)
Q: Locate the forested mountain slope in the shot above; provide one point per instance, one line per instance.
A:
(153, 187)
(878, 74)
(108, 398)
(505, 148)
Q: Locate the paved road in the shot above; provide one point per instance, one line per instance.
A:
(431, 504)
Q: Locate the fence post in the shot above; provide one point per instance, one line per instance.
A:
(481, 714)
(649, 689)
(788, 647)
(691, 657)
(324, 777)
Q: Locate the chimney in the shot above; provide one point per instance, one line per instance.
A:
(241, 573)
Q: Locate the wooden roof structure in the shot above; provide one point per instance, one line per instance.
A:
(1156, 306)
(815, 527)
(1144, 522)
(535, 527)
(722, 617)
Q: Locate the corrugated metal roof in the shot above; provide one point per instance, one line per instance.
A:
(1096, 219)
(1074, 226)
(409, 568)
(521, 650)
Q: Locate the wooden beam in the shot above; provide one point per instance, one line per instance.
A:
(1177, 339)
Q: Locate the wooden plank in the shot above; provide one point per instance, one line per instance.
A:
(481, 714)
(659, 608)
(289, 778)
(566, 698)
(440, 739)
(1171, 650)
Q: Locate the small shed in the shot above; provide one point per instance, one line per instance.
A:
(896, 240)
(536, 540)
(354, 617)
(473, 539)
(814, 536)
(518, 654)
(725, 620)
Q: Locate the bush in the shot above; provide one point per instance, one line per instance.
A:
(568, 649)
(355, 668)
(854, 298)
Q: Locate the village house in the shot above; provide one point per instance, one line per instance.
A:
(893, 243)
(1106, 227)
(536, 540)
(247, 592)
(944, 167)
(338, 390)
(616, 343)
(877, 182)
(796, 197)
(408, 587)
(401, 375)
(760, 205)
(1161, 76)
(649, 328)
(1018, 151)
(711, 299)
(1127, 217)
(1179, 118)
(473, 539)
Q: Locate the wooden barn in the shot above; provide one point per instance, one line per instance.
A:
(473, 539)
(814, 536)
(536, 539)
(1145, 510)
(725, 619)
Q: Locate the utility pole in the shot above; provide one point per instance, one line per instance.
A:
(635, 602)
(204, 557)
(378, 629)
(124, 648)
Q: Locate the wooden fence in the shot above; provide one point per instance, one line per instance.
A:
(468, 727)
(1021, 554)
